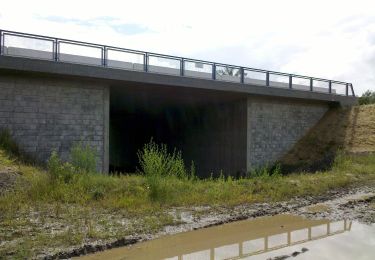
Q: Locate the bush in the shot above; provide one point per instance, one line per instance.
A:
(83, 158)
(8, 144)
(59, 171)
(367, 98)
(162, 169)
(155, 160)
(83, 161)
(266, 171)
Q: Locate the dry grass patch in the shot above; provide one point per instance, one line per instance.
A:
(318, 208)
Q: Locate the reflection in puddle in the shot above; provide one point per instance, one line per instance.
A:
(260, 238)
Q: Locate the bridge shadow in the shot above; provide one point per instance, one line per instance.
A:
(316, 151)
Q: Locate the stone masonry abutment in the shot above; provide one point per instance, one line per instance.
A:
(47, 113)
(275, 125)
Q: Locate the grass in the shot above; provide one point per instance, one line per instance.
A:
(63, 206)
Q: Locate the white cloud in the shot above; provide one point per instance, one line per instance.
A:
(331, 39)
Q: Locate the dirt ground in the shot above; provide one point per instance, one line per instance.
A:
(351, 204)
(8, 177)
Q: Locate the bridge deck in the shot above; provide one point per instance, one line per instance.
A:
(35, 53)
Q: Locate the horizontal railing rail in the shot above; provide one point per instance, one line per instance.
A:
(266, 243)
(170, 65)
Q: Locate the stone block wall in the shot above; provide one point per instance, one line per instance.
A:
(275, 125)
(45, 114)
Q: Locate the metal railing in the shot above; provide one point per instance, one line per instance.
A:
(281, 240)
(63, 50)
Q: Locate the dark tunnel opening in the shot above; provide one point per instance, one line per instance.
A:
(208, 127)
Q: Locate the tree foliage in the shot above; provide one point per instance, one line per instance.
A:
(367, 98)
(229, 71)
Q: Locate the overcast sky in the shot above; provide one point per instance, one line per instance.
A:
(329, 39)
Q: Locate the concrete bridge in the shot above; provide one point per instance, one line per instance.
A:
(54, 92)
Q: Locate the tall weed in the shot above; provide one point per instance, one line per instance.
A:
(161, 169)
(155, 160)
(266, 172)
(83, 158)
(58, 170)
(83, 161)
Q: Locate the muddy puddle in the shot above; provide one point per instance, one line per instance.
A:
(276, 237)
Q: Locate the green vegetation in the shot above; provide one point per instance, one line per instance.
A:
(7, 144)
(367, 98)
(83, 163)
(160, 167)
(83, 158)
(69, 203)
(155, 160)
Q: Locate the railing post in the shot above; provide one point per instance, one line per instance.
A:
(311, 84)
(145, 61)
(1, 42)
(214, 71)
(56, 54)
(182, 67)
(290, 81)
(212, 254)
(242, 75)
(267, 79)
(347, 89)
(103, 56)
(330, 87)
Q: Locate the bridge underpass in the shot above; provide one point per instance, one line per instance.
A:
(208, 127)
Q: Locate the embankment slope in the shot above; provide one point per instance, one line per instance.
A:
(350, 130)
